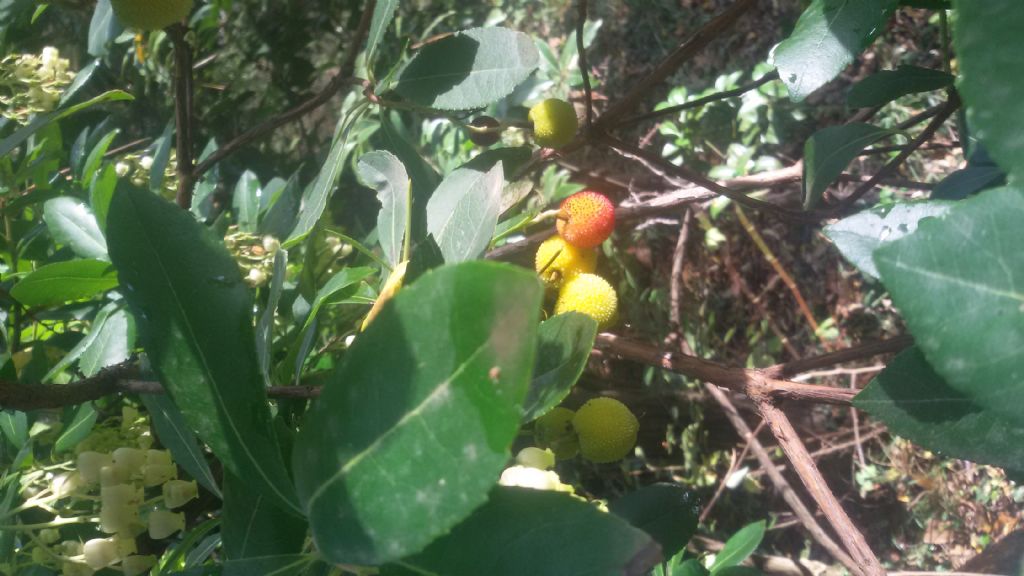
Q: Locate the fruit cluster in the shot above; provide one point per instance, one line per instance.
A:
(566, 262)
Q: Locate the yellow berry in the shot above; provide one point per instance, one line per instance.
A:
(150, 14)
(558, 261)
(554, 431)
(591, 295)
(606, 429)
(554, 123)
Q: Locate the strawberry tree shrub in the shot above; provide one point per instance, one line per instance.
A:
(310, 341)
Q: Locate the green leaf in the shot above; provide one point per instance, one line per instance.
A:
(75, 353)
(101, 191)
(271, 565)
(340, 286)
(383, 13)
(195, 318)
(252, 526)
(412, 430)
(859, 235)
(691, 567)
(72, 223)
(463, 212)
(43, 120)
(424, 178)
(988, 45)
(14, 425)
(109, 343)
(827, 37)
(176, 436)
(79, 427)
(161, 150)
(103, 28)
(887, 85)
(62, 282)
(667, 512)
(280, 217)
(92, 164)
(246, 202)
(916, 403)
(265, 325)
(739, 547)
(968, 181)
(738, 571)
(829, 151)
(384, 172)
(540, 533)
(469, 69)
(512, 159)
(959, 283)
(564, 343)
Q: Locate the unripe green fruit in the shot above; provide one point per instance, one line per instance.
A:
(554, 123)
(606, 429)
(558, 261)
(150, 14)
(591, 295)
(554, 431)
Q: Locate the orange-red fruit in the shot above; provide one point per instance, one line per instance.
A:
(586, 219)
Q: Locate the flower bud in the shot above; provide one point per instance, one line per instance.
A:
(146, 162)
(89, 464)
(271, 244)
(69, 548)
(162, 457)
(256, 277)
(179, 492)
(163, 523)
(157, 474)
(113, 475)
(131, 459)
(533, 457)
(118, 519)
(120, 495)
(136, 565)
(100, 553)
(63, 485)
(49, 535)
(40, 557)
(121, 169)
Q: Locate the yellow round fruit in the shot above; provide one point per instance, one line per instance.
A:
(591, 295)
(150, 14)
(558, 261)
(554, 431)
(606, 430)
(554, 123)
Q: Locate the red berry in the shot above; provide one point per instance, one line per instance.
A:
(586, 219)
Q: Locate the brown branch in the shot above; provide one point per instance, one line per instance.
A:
(584, 68)
(698, 102)
(341, 79)
(860, 352)
(673, 61)
(676, 286)
(183, 112)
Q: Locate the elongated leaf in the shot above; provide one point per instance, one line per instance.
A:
(62, 282)
(668, 512)
(829, 151)
(916, 403)
(537, 532)
(424, 178)
(564, 343)
(103, 28)
(112, 344)
(411, 431)
(859, 235)
(14, 425)
(272, 565)
(177, 437)
(463, 212)
(827, 37)
(469, 69)
(340, 286)
(280, 217)
(385, 173)
(92, 164)
(959, 283)
(161, 150)
(265, 325)
(383, 13)
(988, 42)
(253, 526)
(883, 87)
(195, 318)
(968, 181)
(43, 120)
(79, 427)
(739, 547)
(72, 223)
(101, 191)
(246, 201)
(76, 352)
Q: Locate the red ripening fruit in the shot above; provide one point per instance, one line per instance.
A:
(586, 219)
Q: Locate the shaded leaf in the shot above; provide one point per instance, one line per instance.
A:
(76, 430)
(424, 178)
(564, 343)
(110, 343)
(668, 512)
(265, 325)
(272, 565)
(463, 212)
(887, 85)
(384, 172)
(177, 437)
(62, 282)
(968, 181)
(252, 526)
(411, 431)
(43, 120)
(246, 202)
(280, 217)
(739, 547)
(383, 13)
(829, 151)
(72, 223)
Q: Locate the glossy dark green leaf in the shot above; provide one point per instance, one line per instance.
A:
(265, 325)
(469, 69)
(14, 426)
(103, 28)
(101, 190)
(887, 85)
(967, 182)
(564, 343)
(463, 212)
(110, 343)
(252, 526)
(739, 547)
(916, 403)
(859, 235)
(92, 164)
(540, 533)
(194, 316)
(62, 282)
(72, 223)
(414, 427)
(280, 217)
(827, 37)
(246, 201)
(161, 151)
(829, 151)
(959, 283)
(384, 172)
(177, 437)
(667, 512)
(76, 430)
(988, 45)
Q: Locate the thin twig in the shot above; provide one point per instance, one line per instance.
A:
(183, 112)
(584, 68)
(341, 79)
(673, 61)
(698, 102)
(860, 352)
(676, 285)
